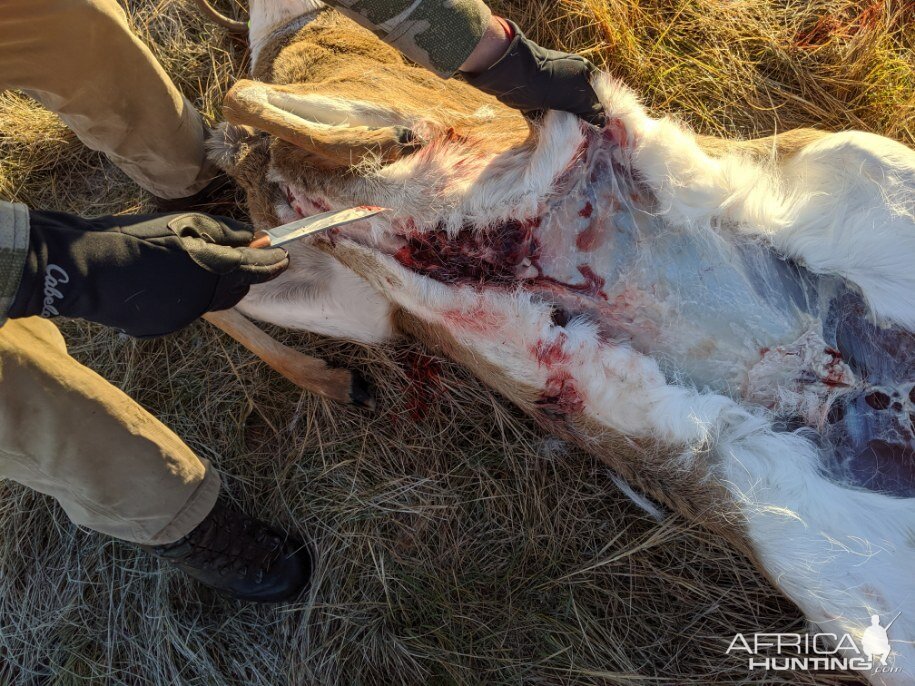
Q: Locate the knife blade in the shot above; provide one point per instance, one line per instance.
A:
(308, 226)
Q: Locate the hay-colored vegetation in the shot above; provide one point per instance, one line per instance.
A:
(458, 543)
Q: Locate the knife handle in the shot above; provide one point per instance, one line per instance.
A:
(261, 240)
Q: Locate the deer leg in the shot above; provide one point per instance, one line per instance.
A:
(306, 372)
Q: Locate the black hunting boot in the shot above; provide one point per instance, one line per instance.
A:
(241, 557)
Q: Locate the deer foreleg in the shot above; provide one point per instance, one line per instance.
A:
(309, 373)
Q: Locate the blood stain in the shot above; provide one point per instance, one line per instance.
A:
(589, 239)
(425, 384)
(560, 395)
(553, 353)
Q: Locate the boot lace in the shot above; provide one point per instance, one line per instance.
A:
(229, 542)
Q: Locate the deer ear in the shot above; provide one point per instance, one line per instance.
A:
(338, 133)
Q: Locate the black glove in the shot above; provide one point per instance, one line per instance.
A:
(145, 275)
(532, 79)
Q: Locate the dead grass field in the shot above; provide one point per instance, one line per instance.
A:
(458, 543)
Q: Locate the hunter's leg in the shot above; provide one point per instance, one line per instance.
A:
(80, 60)
(112, 466)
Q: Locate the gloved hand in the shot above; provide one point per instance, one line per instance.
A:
(146, 275)
(532, 79)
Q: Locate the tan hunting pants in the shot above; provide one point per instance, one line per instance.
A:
(67, 432)
(80, 60)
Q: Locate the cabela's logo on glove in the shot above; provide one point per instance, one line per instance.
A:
(53, 277)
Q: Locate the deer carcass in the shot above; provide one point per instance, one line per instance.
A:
(729, 325)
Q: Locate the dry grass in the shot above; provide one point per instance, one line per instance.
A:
(458, 544)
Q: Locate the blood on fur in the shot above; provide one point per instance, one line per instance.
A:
(560, 395)
(552, 353)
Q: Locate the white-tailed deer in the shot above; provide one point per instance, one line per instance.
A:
(727, 325)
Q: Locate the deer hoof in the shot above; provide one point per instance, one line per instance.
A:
(361, 392)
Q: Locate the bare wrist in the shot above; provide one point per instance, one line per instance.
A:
(492, 46)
